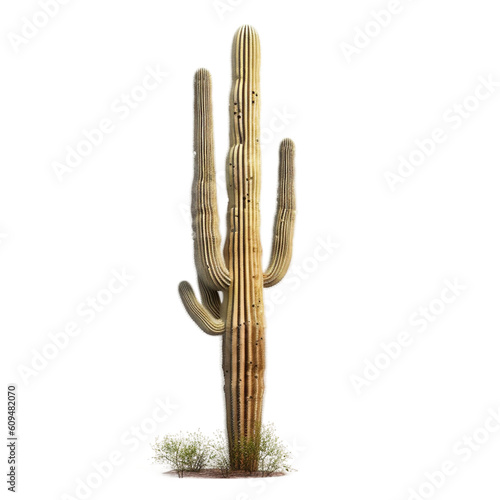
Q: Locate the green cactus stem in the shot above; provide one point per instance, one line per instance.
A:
(237, 271)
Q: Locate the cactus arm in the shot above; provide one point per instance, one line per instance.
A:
(207, 241)
(199, 313)
(281, 253)
(210, 299)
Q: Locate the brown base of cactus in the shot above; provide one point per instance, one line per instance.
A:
(244, 451)
(244, 465)
(217, 474)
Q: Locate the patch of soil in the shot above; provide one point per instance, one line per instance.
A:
(216, 474)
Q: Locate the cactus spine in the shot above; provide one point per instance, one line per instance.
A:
(237, 271)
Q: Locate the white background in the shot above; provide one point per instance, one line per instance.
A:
(125, 207)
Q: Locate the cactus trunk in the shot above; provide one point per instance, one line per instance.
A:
(237, 272)
(244, 338)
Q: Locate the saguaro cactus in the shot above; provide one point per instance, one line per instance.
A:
(237, 271)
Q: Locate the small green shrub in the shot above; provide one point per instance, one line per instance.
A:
(184, 452)
(265, 453)
(220, 454)
(274, 455)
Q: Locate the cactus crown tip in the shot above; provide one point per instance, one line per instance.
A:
(248, 29)
(202, 73)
